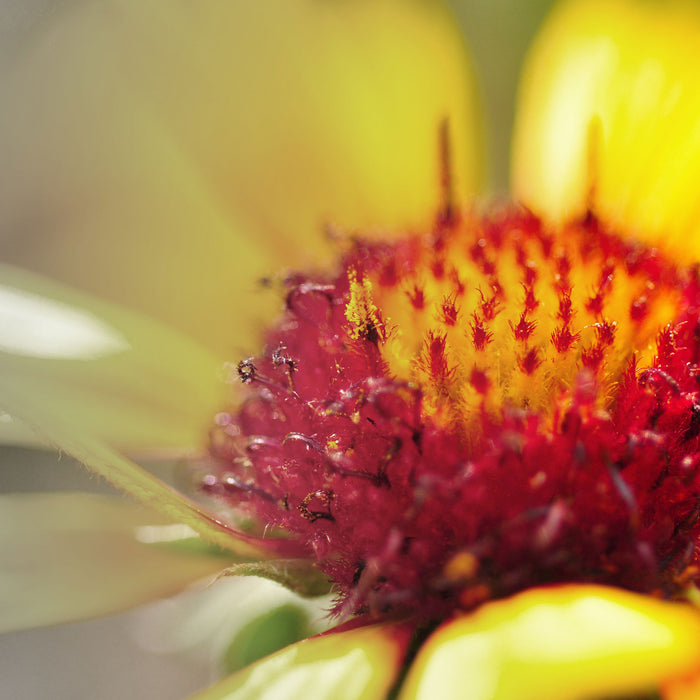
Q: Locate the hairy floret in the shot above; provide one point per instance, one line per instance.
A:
(462, 414)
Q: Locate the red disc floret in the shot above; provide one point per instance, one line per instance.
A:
(403, 509)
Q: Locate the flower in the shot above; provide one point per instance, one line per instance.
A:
(405, 431)
(459, 416)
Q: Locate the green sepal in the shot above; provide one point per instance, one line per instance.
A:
(298, 575)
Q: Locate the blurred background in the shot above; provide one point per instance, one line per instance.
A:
(498, 33)
(117, 656)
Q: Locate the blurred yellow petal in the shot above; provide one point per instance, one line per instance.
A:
(168, 154)
(560, 643)
(65, 557)
(359, 664)
(109, 372)
(609, 119)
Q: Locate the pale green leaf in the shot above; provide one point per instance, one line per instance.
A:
(201, 623)
(101, 375)
(72, 556)
(123, 473)
(104, 370)
(359, 664)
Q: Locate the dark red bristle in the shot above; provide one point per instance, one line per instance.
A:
(563, 339)
(566, 310)
(437, 268)
(523, 329)
(489, 306)
(531, 303)
(417, 297)
(605, 332)
(529, 361)
(481, 335)
(434, 359)
(592, 358)
(449, 311)
(639, 309)
(530, 276)
(458, 286)
(480, 381)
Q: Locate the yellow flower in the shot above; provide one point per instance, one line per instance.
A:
(126, 182)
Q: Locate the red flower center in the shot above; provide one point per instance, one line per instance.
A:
(464, 414)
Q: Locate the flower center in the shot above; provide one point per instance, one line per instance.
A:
(463, 414)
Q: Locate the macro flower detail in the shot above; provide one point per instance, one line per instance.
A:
(460, 415)
(480, 431)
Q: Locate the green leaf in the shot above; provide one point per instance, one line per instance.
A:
(72, 556)
(358, 664)
(265, 635)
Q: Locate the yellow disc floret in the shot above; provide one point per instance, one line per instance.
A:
(501, 314)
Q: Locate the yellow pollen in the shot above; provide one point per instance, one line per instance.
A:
(461, 567)
(361, 312)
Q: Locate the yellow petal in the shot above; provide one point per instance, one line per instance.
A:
(71, 556)
(168, 154)
(359, 664)
(560, 643)
(107, 372)
(608, 119)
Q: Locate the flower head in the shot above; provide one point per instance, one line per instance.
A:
(488, 407)
(475, 411)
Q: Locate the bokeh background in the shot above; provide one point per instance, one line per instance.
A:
(115, 657)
